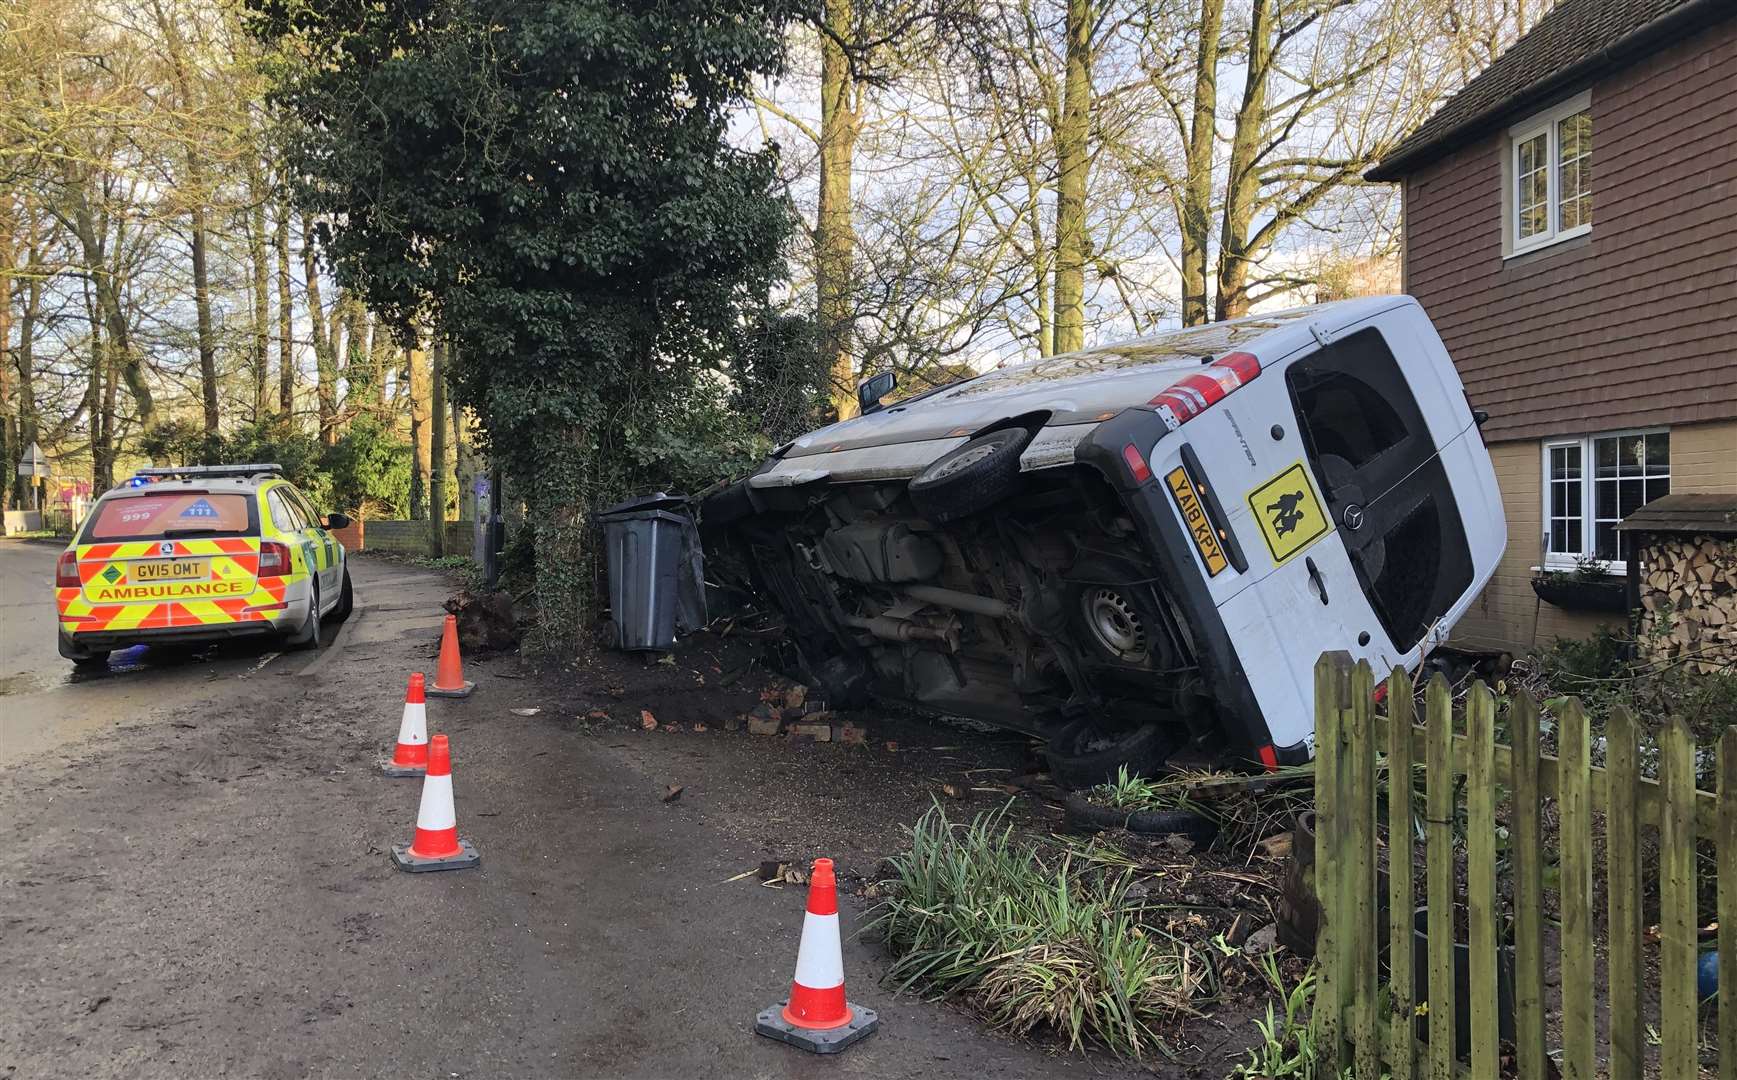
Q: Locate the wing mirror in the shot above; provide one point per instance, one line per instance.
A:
(337, 521)
(870, 391)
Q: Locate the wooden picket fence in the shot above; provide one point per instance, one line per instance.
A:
(1367, 1026)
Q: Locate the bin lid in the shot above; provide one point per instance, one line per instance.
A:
(643, 504)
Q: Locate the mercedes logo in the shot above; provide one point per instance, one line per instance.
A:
(1353, 517)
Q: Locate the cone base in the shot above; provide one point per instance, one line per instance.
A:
(391, 768)
(863, 1023)
(467, 856)
(461, 691)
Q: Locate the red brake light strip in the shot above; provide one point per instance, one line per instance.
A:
(1193, 394)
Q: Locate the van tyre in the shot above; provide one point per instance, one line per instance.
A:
(1080, 755)
(971, 477)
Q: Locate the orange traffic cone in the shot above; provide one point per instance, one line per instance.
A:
(449, 673)
(817, 1017)
(410, 756)
(437, 846)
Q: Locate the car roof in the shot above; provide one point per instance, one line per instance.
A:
(217, 485)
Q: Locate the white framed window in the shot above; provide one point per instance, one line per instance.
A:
(1547, 179)
(1592, 483)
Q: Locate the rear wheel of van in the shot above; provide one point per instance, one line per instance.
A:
(1083, 755)
(971, 477)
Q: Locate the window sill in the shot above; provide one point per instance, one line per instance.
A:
(1553, 246)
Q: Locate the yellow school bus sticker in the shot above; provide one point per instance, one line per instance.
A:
(1194, 516)
(1289, 512)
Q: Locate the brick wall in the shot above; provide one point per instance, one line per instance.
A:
(407, 537)
(1508, 617)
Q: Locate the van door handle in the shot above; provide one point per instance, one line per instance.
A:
(1315, 577)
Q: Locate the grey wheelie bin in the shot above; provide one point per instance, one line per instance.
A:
(656, 571)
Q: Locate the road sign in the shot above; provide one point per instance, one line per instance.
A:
(33, 463)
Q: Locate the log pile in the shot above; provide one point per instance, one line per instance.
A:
(1688, 599)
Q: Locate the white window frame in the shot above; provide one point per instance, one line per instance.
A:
(1556, 560)
(1544, 123)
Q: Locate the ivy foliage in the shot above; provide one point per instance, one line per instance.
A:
(549, 184)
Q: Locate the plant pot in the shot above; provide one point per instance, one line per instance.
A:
(1462, 990)
(1582, 594)
(1298, 917)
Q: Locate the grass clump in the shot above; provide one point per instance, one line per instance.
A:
(1287, 1047)
(1036, 942)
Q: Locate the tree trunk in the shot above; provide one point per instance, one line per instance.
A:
(380, 351)
(418, 435)
(464, 463)
(1072, 138)
(1041, 267)
(256, 249)
(358, 363)
(10, 448)
(108, 305)
(101, 471)
(834, 232)
(202, 308)
(324, 364)
(437, 448)
(286, 363)
(1242, 184)
(1196, 221)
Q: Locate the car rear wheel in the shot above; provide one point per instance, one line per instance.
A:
(971, 477)
(346, 600)
(308, 636)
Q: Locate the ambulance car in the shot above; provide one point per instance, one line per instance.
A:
(200, 554)
(1137, 549)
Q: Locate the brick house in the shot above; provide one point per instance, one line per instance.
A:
(1571, 228)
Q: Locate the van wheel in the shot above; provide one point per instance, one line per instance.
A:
(1081, 755)
(97, 659)
(971, 477)
(308, 637)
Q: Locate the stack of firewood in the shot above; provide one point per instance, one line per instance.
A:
(1688, 597)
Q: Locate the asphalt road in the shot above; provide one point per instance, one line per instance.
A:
(194, 878)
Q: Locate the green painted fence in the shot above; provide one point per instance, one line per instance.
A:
(1365, 1023)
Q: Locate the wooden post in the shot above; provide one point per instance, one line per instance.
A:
(1360, 883)
(1727, 841)
(1439, 869)
(1622, 861)
(1332, 686)
(1483, 916)
(1528, 847)
(1677, 948)
(1401, 847)
(1575, 841)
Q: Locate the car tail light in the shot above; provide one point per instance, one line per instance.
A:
(274, 559)
(1188, 397)
(66, 571)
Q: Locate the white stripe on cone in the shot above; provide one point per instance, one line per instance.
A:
(819, 963)
(436, 810)
(413, 729)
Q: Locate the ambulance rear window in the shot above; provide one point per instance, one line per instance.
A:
(177, 515)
